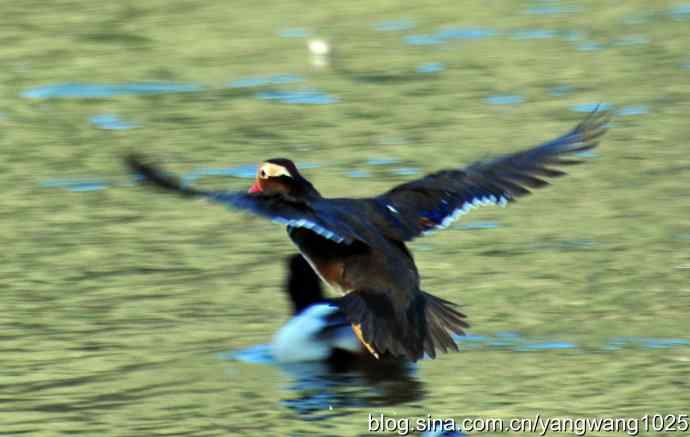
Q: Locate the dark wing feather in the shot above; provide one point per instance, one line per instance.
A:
(327, 218)
(433, 202)
(422, 326)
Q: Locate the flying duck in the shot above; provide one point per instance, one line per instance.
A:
(357, 246)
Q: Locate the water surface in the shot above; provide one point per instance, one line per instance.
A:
(122, 307)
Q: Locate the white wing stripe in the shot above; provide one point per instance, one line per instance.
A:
(466, 207)
(303, 223)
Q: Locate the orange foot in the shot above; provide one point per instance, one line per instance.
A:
(358, 332)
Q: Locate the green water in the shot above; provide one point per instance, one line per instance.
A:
(116, 303)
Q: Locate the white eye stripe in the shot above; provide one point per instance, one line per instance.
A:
(270, 170)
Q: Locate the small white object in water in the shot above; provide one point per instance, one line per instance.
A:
(319, 47)
(320, 51)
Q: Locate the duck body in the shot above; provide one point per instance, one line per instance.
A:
(388, 264)
(358, 246)
(385, 273)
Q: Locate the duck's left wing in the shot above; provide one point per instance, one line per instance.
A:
(435, 201)
(323, 217)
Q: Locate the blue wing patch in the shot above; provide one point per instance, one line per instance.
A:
(302, 223)
(444, 215)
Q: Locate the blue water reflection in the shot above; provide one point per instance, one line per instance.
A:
(93, 91)
(534, 34)
(295, 32)
(247, 171)
(516, 342)
(406, 171)
(631, 110)
(256, 81)
(394, 25)
(430, 68)
(589, 107)
(423, 40)
(504, 100)
(76, 185)
(110, 122)
(382, 161)
(448, 33)
(466, 33)
(359, 174)
(646, 342)
(298, 97)
(553, 9)
(589, 46)
(680, 12)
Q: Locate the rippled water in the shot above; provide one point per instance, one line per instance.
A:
(128, 312)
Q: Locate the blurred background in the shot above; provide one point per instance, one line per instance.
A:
(127, 312)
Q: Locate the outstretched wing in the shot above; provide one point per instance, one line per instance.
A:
(435, 201)
(328, 219)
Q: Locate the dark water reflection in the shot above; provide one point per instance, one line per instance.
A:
(323, 390)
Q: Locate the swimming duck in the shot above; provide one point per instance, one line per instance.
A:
(317, 331)
(357, 246)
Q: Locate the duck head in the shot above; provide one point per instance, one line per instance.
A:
(280, 175)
